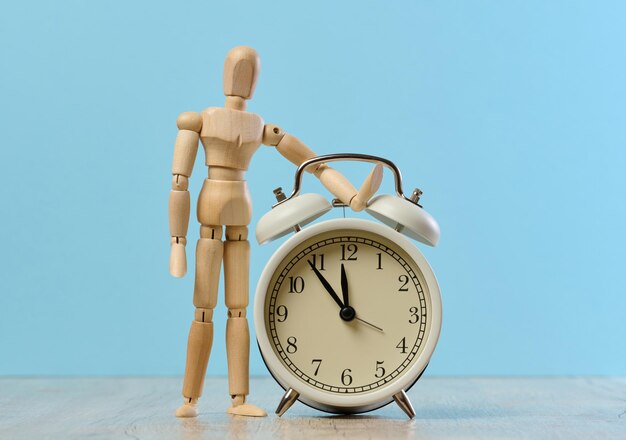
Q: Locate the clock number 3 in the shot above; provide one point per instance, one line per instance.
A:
(414, 317)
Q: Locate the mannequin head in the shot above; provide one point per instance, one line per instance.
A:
(241, 70)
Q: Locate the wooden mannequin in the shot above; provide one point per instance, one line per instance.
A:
(230, 137)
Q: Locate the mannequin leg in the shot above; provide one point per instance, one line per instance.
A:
(236, 275)
(209, 252)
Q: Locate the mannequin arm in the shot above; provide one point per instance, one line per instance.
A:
(297, 152)
(185, 149)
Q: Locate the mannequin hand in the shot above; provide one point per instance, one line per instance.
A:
(368, 189)
(178, 257)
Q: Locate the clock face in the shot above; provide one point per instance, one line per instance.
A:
(354, 345)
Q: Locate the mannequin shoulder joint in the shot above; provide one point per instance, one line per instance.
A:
(272, 134)
(189, 121)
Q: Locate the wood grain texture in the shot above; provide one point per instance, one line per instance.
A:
(459, 408)
(241, 71)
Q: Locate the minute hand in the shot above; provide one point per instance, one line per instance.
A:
(326, 285)
(344, 286)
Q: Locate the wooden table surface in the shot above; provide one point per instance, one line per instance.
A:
(459, 408)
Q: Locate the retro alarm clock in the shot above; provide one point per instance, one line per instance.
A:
(347, 311)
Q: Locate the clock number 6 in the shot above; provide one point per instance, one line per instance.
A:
(291, 345)
(346, 379)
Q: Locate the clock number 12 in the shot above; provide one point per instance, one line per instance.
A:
(350, 251)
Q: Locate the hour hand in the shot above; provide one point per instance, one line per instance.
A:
(326, 285)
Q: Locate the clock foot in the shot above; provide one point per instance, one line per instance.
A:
(288, 399)
(404, 403)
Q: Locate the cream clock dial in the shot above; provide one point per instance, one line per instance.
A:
(350, 313)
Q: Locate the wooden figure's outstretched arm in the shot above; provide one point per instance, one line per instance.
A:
(297, 152)
(185, 149)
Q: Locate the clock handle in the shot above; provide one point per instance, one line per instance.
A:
(288, 399)
(350, 157)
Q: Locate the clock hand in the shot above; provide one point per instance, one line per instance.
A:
(326, 285)
(344, 286)
(346, 301)
(370, 324)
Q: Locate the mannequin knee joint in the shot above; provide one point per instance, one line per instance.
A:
(203, 315)
(236, 233)
(236, 313)
(214, 232)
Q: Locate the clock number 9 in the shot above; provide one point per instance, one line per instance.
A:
(282, 312)
(350, 249)
(414, 317)
(404, 279)
(291, 345)
(346, 379)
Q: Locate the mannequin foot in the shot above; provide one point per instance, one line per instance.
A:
(188, 408)
(241, 408)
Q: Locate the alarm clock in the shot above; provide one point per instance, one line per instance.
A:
(347, 311)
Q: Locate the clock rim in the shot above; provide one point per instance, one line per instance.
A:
(342, 403)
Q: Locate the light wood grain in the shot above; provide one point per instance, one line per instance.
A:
(230, 137)
(368, 189)
(199, 346)
(241, 71)
(459, 408)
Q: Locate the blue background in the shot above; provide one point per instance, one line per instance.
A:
(509, 115)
